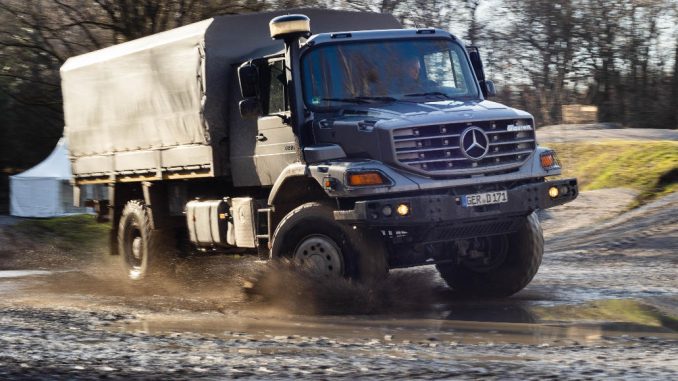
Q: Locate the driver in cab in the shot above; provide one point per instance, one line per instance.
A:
(411, 80)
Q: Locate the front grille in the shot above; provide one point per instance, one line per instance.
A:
(436, 149)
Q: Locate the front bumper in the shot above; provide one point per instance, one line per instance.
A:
(446, 208)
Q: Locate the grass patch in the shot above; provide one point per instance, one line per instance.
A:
(650, 167)
(615, 310)
(78, 232)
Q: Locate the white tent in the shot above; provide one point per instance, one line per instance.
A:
(44, 190)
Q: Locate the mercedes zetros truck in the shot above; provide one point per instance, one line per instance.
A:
(337, 140)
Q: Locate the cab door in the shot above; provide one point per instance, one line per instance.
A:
(276, 145)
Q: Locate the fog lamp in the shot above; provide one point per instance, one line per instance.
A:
(553, 192)
(403, 209)
(387, 211)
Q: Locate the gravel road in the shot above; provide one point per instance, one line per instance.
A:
(604, 305)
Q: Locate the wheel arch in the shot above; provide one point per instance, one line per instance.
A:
(293, 187)
(364, 255)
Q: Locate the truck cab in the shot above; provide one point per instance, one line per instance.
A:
(395, 128)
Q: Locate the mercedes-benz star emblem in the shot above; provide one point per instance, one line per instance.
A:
(474, 143)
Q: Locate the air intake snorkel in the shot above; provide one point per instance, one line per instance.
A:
(291, 28)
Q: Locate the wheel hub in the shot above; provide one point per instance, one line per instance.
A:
(136, 248)
(319, 254)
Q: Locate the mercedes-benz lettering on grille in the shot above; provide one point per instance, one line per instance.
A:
(465, 148)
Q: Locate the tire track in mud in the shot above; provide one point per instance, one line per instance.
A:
(659, 218)
(631, 256)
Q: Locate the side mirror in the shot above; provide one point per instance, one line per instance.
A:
(490, 89)
(250, 108)
(248, 76)
(477, 64)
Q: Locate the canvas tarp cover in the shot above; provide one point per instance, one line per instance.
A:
(157, 92)
(138, 95)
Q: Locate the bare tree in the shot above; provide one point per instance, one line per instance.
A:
(538, 49)
(36, 38)
(607, 52)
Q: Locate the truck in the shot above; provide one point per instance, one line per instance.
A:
(338, 141)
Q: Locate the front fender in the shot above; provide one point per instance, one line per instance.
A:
(291, 171)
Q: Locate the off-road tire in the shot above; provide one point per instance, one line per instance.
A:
(364, 253)
(156, 251)
(525, 251)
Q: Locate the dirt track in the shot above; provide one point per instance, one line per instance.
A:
(604, 305)
(593, 132)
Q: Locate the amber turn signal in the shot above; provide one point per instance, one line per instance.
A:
(329, 183)
(365, 178)
(547, 160)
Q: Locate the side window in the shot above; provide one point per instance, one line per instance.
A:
(444, 68)
(439, 69)
(274, 96)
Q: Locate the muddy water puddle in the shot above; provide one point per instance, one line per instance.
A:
(12, 281)
(531, 318)
(387, 329)
(22, 273)
(221, 305)
(410, 307)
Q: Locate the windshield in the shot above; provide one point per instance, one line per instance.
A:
(383, 71)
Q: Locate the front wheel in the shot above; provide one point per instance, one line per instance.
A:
(312, 239)
(497, 266)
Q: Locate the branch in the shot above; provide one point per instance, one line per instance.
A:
(72, 10)
(35, 47)
(29, 79)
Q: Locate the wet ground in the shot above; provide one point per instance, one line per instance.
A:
(603, 305)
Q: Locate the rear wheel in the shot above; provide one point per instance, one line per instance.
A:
(497, 266)
(312, 239)
(142, 251)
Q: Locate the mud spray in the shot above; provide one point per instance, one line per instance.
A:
(297, 290)
(83, 278)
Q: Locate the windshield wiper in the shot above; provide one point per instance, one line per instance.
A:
(429, 93)
(361, 100)
(378, 99)
(347, 100)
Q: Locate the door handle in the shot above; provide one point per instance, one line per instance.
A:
(261, 138)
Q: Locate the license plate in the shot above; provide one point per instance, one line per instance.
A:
(488, 198)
